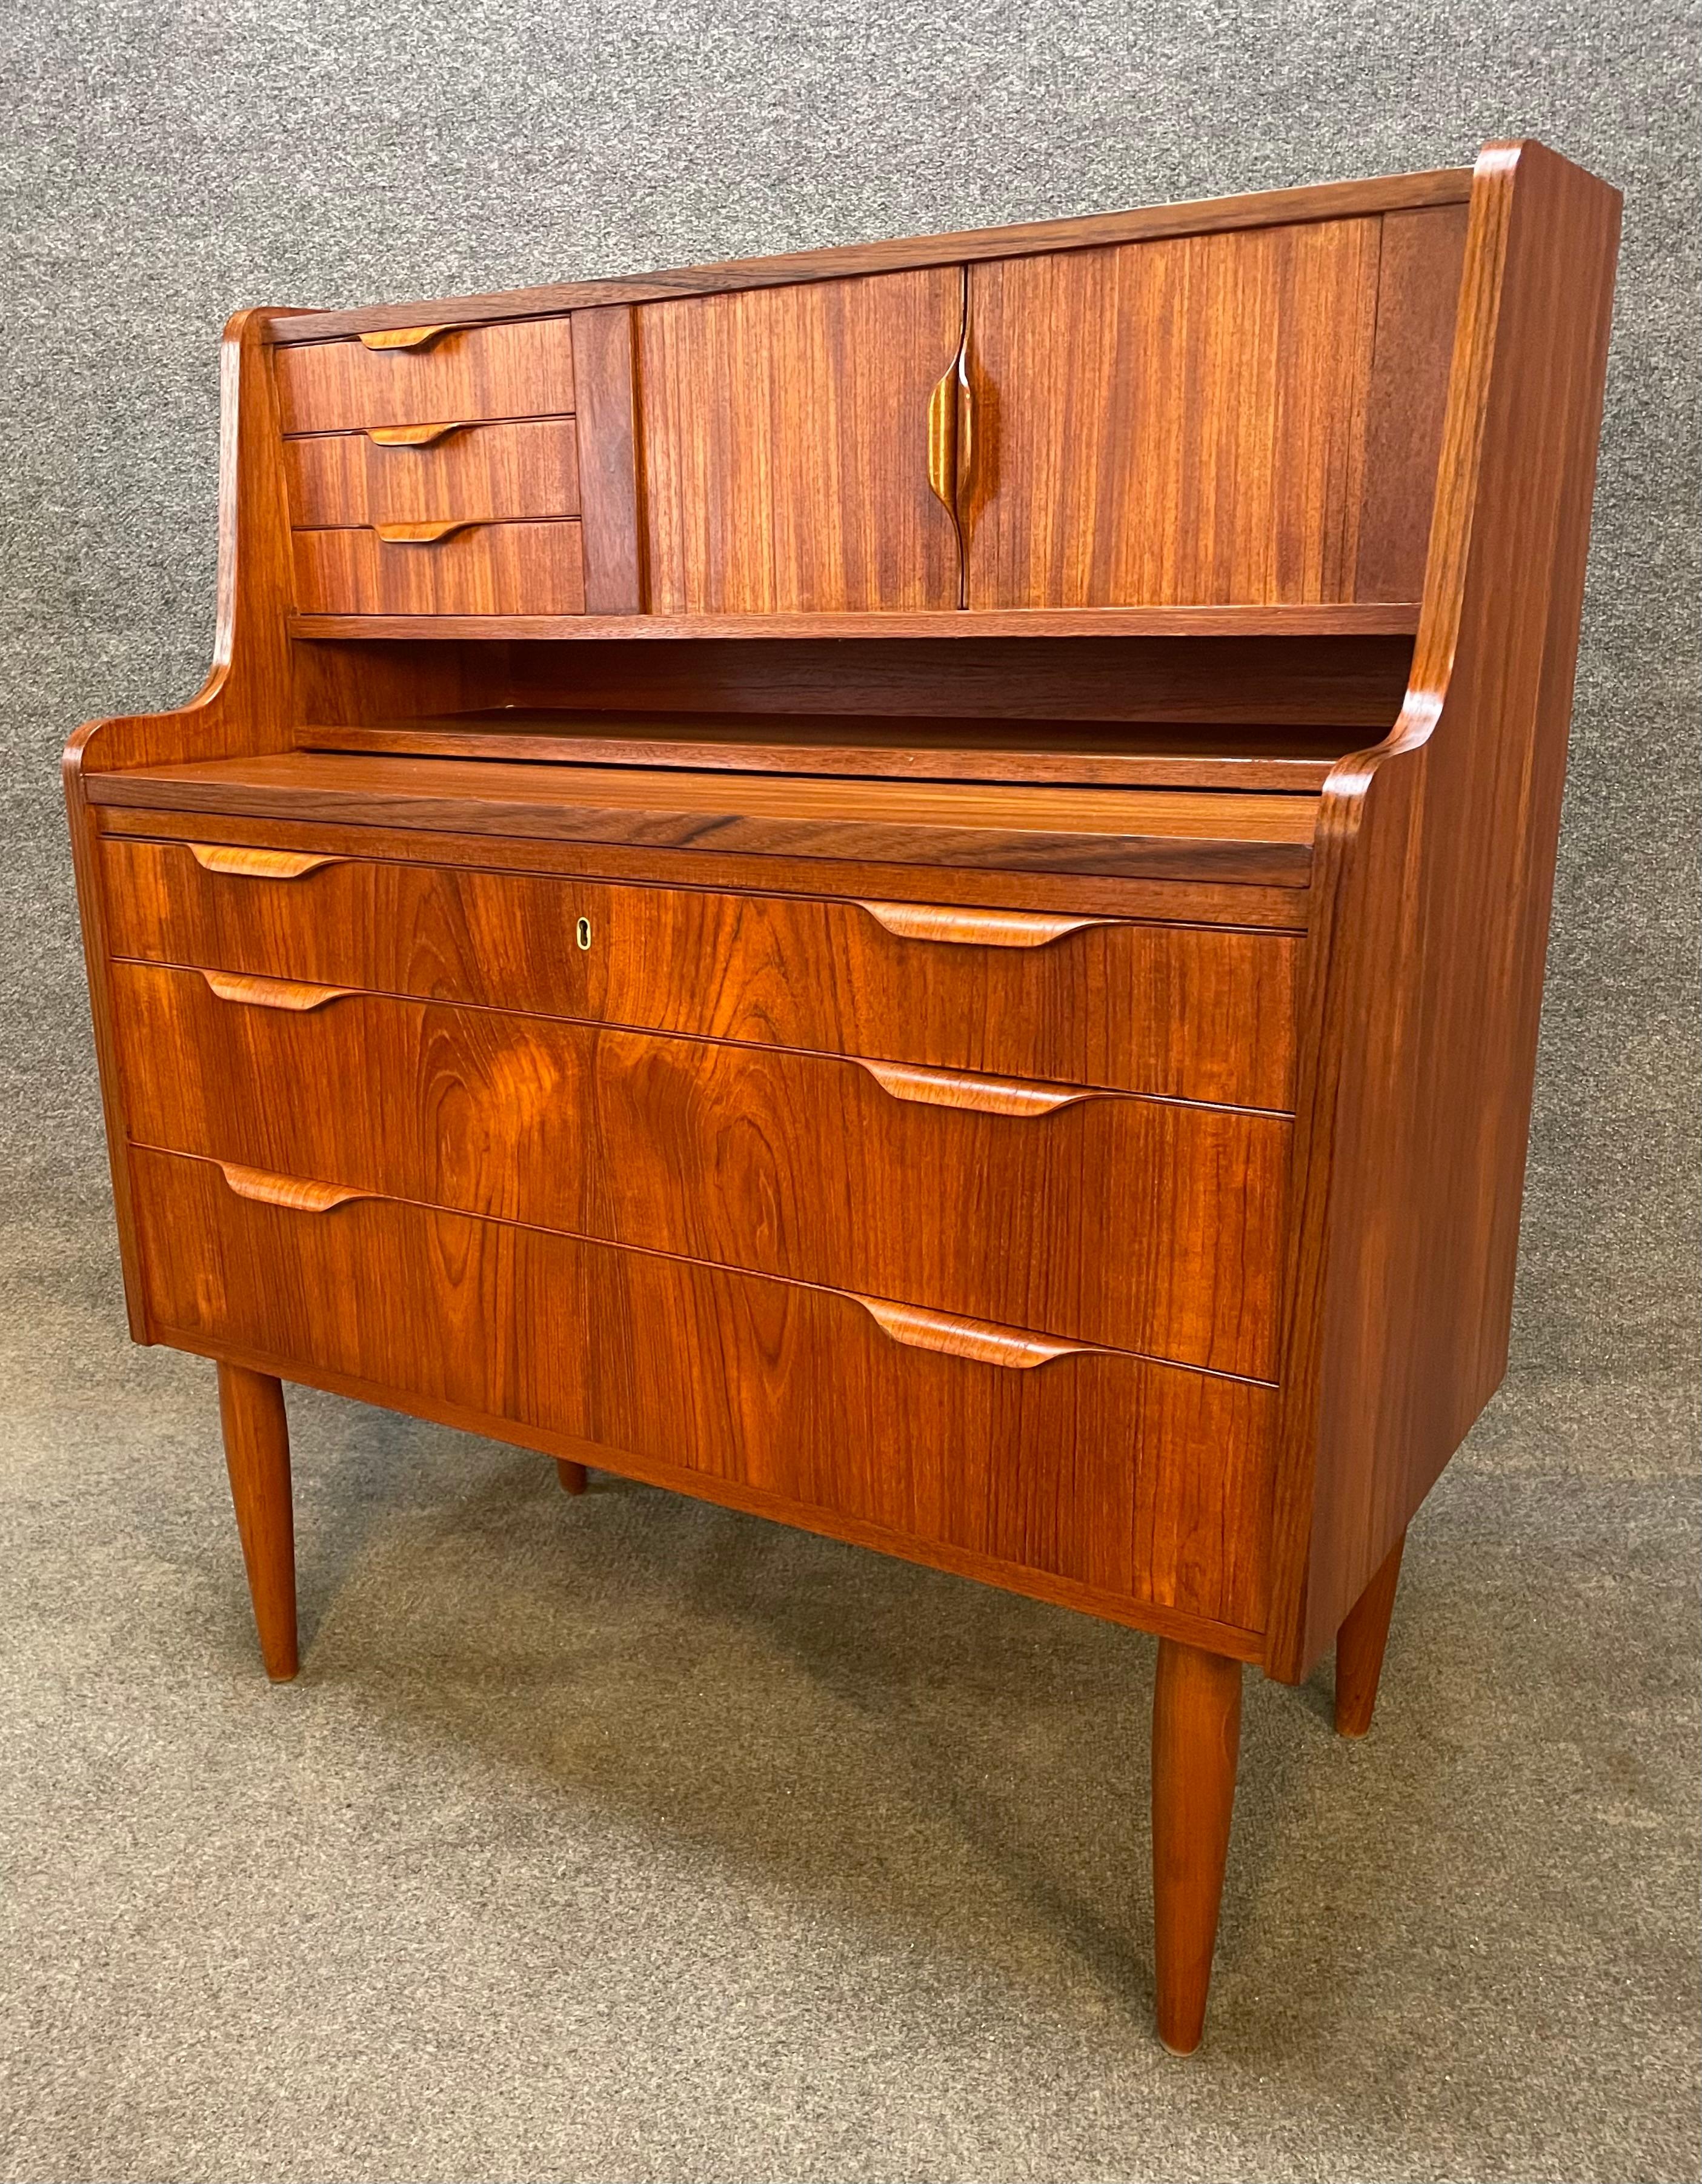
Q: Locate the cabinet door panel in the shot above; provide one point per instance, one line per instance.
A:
(785, 446)
(1171, 423)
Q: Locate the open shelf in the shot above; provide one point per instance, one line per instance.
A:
(1087, 752)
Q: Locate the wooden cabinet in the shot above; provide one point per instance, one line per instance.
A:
(903, 887)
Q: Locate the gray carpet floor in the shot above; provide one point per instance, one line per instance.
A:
(626, 1839)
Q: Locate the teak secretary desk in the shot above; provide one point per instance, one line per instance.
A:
(903, 887)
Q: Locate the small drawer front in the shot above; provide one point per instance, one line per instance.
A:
(480, 568)
(1184, 1012)
(1150, 1225)
(1147, 1482)
(468, 473)
(522, 369)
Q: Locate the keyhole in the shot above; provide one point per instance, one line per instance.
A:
(582, 933)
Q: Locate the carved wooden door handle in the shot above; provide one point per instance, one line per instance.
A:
(412, 436)
(951, 443)
(420, 534)
(984, 1095)
(978, 928)
(294, 994)
(977, 1339)
(236, 861)
(394, 338)
(286, 1190)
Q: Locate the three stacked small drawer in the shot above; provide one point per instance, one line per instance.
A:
(435, 470)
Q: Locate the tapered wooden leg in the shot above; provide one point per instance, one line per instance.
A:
(571, 1475)
(251, 1410)
(1359, 1646)
(1196, 1740)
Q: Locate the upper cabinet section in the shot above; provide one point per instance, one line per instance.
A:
(1244, 418)
(1171, 423)
(784, 439)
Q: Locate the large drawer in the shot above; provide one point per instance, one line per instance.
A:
(1188, 1012)
(471, 568)
(520, 369)
(1153, 1225)
(460, 473)
(1147, 1482)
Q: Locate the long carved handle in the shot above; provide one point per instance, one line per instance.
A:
(273, 992)
(412, 435)
(977, 1339)
(942, 442)
(419, 534)
(401, 337)
(237, 861)
(986, 1095)
(286, 1190)
(978, 928)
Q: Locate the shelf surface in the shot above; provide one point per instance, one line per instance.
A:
(1083, 753)
(1376, 618)
(1252, 837)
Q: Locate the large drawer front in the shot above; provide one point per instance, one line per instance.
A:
(466, 474)
(522, 369)
(1144, 1481)
(466, 568)
(1182, 1012)
(1151, 1225)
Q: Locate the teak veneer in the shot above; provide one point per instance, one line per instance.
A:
(1008, 1038)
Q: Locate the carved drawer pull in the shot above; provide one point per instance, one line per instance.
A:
(412, 435)
(287, 1190)
(419, 534)
(393, 337)
(976, 1340)
(240, 863)
(977, 928)
(986, 1095)
(273, 992)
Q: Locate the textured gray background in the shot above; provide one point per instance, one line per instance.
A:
(626, 1840)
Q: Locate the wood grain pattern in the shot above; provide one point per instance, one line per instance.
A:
(784, 439)
(1196, 1746)
(1375, 618)
(604, 375)
(1151, 1226)
(1261, 839)
(1174, 423)
(1161, 901)
(462, 473)
(439, 569)
(1406, 401)
(1181, 1012)
(1426, 961)
(520, 369)
(1123, 1477)
(1102, 754)
(1202, 216)
(256, 1435)
(1304, 681)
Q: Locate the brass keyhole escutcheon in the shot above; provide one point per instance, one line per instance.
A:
(582, 933)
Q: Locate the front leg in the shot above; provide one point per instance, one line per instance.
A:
(1195, 1742)
(251, 1410)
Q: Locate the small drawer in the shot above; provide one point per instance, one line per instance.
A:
(1151, 1225)
(1191, 1012)
(466, 569)
(434, 474)
(1147, 1483)
(522, 367)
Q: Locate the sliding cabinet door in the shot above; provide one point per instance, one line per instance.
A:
(1175, 422)
(783, 438)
